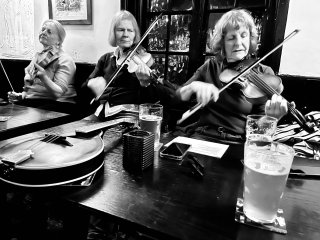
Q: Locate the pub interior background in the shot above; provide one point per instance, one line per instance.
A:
(178, 42)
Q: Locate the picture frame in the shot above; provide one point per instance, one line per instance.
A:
(71, 12)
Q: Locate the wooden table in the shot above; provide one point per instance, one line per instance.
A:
(168, 202)
(24, 120)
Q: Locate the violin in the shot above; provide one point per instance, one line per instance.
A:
(140, 57)
(255, 85)
(129, 57)
(144, 58)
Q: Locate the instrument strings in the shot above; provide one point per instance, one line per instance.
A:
(246, 70)
(50, 138)
(294, 112)
(114, 75)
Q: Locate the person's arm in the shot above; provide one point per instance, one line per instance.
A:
(277, 106)
(200, 85)
(63, 75)
(16, 97)
(52, 87)
(28, 80)
(143, 69)
(96, 82)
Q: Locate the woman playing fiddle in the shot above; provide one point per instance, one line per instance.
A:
(49, 78)
(224, 115)
(127, 87)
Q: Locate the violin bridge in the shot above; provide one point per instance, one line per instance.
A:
(16, 158)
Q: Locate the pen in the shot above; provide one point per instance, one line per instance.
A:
(196, 161)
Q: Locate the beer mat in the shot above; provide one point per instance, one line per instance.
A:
(278, 226)
(4, 118)
(202, 147)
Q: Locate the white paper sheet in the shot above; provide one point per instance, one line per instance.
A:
(202, 147)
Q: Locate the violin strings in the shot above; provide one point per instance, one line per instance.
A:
(113, 76)
(264, 85)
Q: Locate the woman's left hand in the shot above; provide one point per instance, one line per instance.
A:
(276, 107)
(40, 72)
(143, 75)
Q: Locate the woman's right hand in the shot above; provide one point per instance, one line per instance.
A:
(15, 97)
(97, 85)
(204, 92)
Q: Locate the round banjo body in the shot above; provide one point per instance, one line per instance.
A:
(52, 163)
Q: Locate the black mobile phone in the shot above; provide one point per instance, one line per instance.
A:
(175, 151)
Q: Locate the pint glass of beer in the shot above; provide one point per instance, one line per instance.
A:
(150, 117)
(266, 169)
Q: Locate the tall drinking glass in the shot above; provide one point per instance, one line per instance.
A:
(150, 117)
(266, 169)
(261, 127)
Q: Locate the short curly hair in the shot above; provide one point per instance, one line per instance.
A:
(233, 19)
(119, 16)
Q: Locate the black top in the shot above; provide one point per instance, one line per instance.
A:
(232, 107)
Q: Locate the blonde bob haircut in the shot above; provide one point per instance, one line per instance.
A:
(120, 16)
(233, 19)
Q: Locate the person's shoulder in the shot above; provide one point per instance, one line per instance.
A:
(65, 59)
(66, 56)
(210, 62)
(106, 55)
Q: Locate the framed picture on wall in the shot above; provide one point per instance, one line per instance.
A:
(71, 12)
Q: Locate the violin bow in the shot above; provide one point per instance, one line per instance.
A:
(133, 51)
(5, 73)
(196, 107)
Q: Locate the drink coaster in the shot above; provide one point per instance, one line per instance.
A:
(278, 226)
